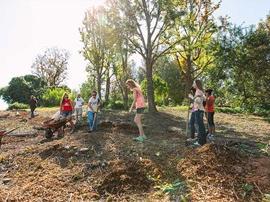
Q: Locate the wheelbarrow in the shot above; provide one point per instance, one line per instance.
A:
(4, 133)
(52, 125)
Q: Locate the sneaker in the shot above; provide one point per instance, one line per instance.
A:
(191, 139)
(210, 137)
(139, 139)
(196, 144)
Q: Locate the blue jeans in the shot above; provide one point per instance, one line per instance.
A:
(192, 125)
(91, 123)
(201, 127)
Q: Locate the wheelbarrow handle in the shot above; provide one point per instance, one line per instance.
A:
(7, 132)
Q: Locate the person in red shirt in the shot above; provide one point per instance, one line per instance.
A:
(66, 109)
(210, 110)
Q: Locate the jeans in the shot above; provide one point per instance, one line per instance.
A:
(92, 123)
(32, 111)
(210, 119)
(192, 125)
(78, 114)
(201, 127)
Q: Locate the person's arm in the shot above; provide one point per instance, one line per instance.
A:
(90, 105)
(134, 100)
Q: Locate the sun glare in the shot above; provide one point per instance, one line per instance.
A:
(97, 3)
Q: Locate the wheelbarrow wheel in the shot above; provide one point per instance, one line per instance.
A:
(48, 133)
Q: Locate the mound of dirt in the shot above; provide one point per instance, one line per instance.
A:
(221, 173)
(129, 177)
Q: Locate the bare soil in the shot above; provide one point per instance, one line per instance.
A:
(109, 165)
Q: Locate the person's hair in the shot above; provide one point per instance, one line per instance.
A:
(63, 97)
(209, 91)
(199, 84)
(193, 90)
(95, 92)
(132, 83)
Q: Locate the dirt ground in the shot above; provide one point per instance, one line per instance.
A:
(108, 165)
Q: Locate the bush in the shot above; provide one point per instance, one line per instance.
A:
(115, 104)
(52, 96)
(17, 105)
(230, 110)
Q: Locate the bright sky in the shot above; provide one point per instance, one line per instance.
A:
(28, 27)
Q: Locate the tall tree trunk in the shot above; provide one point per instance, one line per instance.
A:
(188, 76)
(125, 98)
(150, 87)
(99, 81)
(108, 85)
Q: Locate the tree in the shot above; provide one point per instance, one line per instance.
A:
(95, 37)
(167, 69)
(147, 21)
(242, 66)
(21, 88)
(161, 89)
(196, 30)
(51, 66)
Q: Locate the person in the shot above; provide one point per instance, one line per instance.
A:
(33, 105)
(192, 117)
(199, 112)
(93, 106)
(210, 111)
(66, 109)
(78, 104)
(139, 104)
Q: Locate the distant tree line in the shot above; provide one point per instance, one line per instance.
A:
(46, 82)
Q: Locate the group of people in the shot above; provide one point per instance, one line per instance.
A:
(67, 106)
(202, 103)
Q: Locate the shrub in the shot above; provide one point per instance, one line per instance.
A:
(52, 96)
(17, 105)
(115, 104)
(230, 110)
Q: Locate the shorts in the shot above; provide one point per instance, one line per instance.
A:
(210, 119)
(66, 113)
(139, 110)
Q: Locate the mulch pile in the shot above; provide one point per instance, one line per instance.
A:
(221, 173)
(130, 177)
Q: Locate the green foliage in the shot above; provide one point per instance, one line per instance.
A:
(176, 187)
(21, 88)
(248, 188)
(168, 71)
(17, 105)
(230, 110)
(242, 68)
(115, 104)
(160, 90)
(53, 96)
(86, 89)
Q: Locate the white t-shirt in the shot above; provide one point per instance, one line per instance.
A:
(78, 102)
(94, 103)
(198, 100)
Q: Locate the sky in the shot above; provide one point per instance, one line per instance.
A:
(28, 27)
